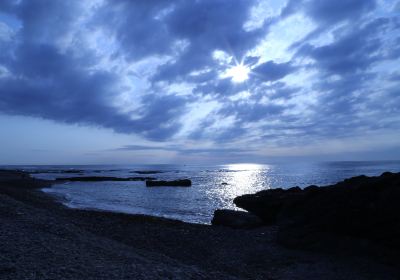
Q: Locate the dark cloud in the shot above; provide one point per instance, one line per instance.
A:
(160, 116)
(138, 26)
(50, 85)
(46, 20)
(8, 6)
(270, 71)
(329, 12)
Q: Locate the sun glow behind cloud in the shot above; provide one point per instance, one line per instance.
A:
(239, 73)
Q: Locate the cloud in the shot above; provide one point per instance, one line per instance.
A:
(187, 151)
(328, 12)
(207, 26)
(270, 71)
(138, 26)
(56, 73)
(151, 68)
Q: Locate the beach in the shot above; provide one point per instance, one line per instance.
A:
(42, 239)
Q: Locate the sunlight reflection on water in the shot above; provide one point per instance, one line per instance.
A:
(238, 179)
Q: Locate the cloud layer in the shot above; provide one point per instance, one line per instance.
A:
(162, 70)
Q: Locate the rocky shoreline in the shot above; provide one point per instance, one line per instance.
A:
(41, 239)
(361, 210)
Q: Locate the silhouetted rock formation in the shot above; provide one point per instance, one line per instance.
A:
(361, 207)
(174, 183)
(236, 219)
(102, 179)
(269, 203)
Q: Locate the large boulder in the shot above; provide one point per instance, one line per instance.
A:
(236, 219)
(267, 204)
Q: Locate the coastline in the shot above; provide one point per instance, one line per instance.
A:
(41, 238)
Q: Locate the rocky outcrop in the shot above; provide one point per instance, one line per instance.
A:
(174, 183)
(268, 204)
(361, 207)
(236, 219)
(102, 179)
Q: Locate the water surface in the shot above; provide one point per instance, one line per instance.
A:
(213, 186)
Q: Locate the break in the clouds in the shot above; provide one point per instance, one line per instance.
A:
(259, 76)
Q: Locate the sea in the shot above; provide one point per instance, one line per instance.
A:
(213, 186)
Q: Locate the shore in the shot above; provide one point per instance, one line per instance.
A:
(42, 239)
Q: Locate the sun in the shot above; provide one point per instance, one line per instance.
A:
(238, 73)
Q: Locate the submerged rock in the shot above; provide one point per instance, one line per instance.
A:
(147, 172)
(67, 171)
(174, 183)
(103, 178)
(236, 219)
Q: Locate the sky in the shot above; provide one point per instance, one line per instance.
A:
(199, 81)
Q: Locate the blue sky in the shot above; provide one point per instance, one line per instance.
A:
(198, 81)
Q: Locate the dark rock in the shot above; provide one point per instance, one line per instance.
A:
(102, 171)
(148, 172)
(384, 174)
(71, 171)
(311, 188)
(103, 178)
(174, 183)
(224, 184)
(236, 219)
(294, 189)
(361, 207)
(265, 204)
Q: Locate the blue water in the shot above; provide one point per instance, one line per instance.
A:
(197, 203)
